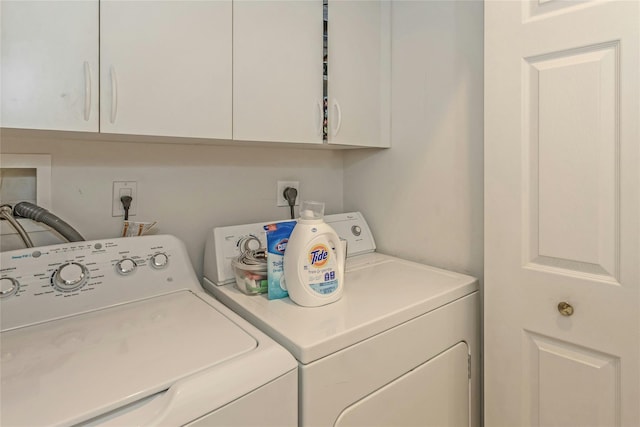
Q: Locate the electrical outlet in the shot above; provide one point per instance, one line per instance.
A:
(124, 188)
(282, 185)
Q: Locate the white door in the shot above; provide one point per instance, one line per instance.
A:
(359, 72)
(166, 68)
(277, 71)
(49, 65)
(562, 217)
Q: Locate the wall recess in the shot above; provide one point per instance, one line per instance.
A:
(25, 177)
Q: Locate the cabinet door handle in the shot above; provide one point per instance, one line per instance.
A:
(87, 91)
(319, 118)
(114, 94)
(336, 108)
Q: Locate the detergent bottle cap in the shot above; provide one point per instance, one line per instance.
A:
(311, 211)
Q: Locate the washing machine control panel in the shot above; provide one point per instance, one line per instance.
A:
(39, 284)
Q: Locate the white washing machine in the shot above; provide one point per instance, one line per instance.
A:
(401, 348)
(119, 332)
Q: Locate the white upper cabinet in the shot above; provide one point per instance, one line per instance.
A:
(277, 71)
(49, 65)
(247, 70)
(166, 68)
(359, 72)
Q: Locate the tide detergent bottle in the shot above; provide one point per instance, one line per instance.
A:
(314, 259)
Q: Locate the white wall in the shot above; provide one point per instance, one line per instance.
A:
(423, 198)
(188, 189)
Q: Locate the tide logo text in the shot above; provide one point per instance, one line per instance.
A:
(318, 255)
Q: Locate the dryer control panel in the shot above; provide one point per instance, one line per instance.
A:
(223, 243)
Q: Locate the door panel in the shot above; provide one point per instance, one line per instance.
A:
(572, 159)
(562, 213)
(572, 385)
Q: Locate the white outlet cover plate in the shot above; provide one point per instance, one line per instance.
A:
(121, 188)
(280, 200)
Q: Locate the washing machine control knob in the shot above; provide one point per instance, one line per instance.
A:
(8, 286)
(126, 266)
(159, 260)
(70, 277)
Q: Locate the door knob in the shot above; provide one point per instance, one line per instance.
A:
(565, 308)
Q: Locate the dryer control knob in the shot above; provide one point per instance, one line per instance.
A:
(70, 277)
(8, 286)
(126, 266)
(159, 260)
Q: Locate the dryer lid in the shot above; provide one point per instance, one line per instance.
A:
(380, 292)
(74, 369)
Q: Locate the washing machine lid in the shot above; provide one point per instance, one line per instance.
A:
(380, 292)
(73, 369)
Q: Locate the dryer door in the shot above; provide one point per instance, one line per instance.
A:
(433, 394)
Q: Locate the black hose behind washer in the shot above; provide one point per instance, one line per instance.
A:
(36, 213)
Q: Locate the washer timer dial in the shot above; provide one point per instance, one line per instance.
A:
(8, 286)
(70, 277)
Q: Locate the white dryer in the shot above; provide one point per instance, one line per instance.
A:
(119, 332)
(401, 348)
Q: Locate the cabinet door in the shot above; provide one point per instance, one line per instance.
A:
(359, 71)
(277, 70)
(166, 68)
(49, 65)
